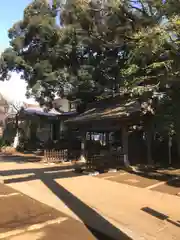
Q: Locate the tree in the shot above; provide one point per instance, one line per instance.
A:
(14, 108)
(155, 58)
(89, 49)
(82, 56)
(33, 42)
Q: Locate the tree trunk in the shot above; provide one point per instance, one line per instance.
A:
(16, 138)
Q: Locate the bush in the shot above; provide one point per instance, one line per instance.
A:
(2, 142)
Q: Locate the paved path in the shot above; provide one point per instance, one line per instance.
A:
(25, 218)
(106, 205)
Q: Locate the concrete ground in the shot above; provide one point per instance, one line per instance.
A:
(107, 206)
(25, 218)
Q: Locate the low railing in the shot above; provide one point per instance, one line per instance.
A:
(55, 156)
(63, 155)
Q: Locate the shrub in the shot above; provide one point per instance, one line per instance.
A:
(2, 142)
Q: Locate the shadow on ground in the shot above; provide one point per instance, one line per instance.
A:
(20, 159)
(100, 227)
(159, 215)
(161, 174)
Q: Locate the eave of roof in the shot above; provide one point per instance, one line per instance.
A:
(115, 111)
(40, 112)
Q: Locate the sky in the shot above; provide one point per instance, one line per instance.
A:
(11, 11)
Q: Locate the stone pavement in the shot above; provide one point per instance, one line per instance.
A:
(104, 205)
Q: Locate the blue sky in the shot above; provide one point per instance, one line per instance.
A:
(11, 11)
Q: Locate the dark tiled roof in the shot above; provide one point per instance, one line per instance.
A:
(113, 110)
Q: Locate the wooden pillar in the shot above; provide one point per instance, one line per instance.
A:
(169, 150)
(107, 139)
(90, 134)
(149, 147)
(62, 126)
(83, 147)
(125, 146)
(28, 133)
(33, 129)
(55, 130)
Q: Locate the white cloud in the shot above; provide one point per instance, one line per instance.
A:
(15, 89)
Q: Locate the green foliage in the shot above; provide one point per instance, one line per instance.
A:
(90, 49)
(2, 143)
(81, 55)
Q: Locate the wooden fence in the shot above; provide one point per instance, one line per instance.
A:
(55, 156)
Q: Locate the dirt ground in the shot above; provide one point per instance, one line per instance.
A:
(159, 181)
(25, 218)
(115, 205)
(173, 187)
